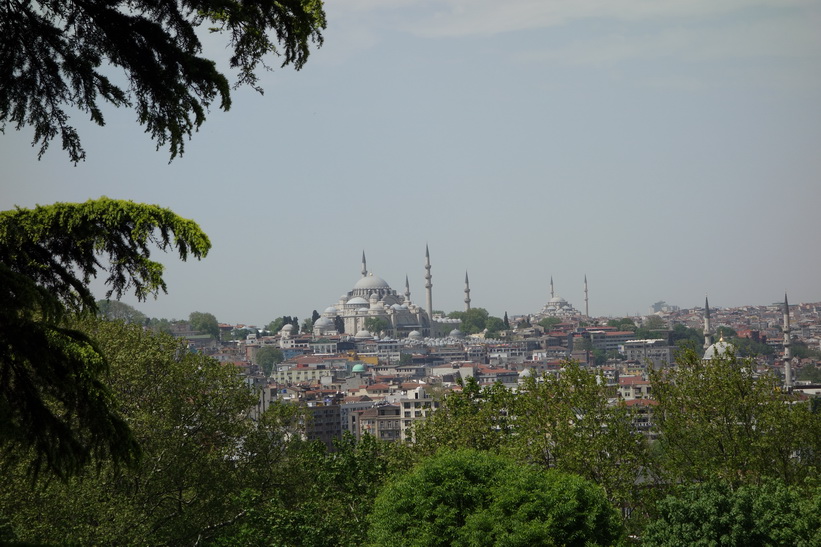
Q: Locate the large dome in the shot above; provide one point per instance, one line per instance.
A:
(371, 282)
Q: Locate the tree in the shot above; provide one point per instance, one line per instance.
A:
(494, 325)
(200, 452)
(204, 322)
(718, 420)
(376, 324)
(715, 514)
(275, 325)
(268, 356)
(549, 322)
(468, 497)
(507, 321)
(115, 310)
(622, 324)
(567, 422)
(307, 326)
(52, 400)
(52, 55)
(473, 320)
(314, 316)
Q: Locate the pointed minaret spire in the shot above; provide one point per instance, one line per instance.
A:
(467, 292)
(551, 287)
(787, 345)
(364, 266)
(407, 291)
(586, 309)
(428, 284)
(708, 333)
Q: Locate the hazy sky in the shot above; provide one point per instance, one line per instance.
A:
(664, 149)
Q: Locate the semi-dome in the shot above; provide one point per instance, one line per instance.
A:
(357, 301)
(371, 282)
(363, 334)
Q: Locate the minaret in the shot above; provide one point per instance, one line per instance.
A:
(787, 346)
(407, 291)
(428, 284)
(586, 310)
(364, 266)
(551, 287)
(467, 292)
(708, 333)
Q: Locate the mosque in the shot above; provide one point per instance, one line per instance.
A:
(373, 299)
(559, 307)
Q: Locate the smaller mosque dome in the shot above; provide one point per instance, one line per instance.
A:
(324, 323)
(330, 310)
(415, 334)
(526, 373)
(718, 349)
(359, 367)
(287, 328)
(363, 334)
(456, 333)
(357, 301)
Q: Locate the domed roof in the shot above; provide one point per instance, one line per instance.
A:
(558, 300)
(359, 367)
(719, 348)
(330, 310)
(371, 282)
(415, 334)
(456, 333)
(363, 334)
(357, 301)
(324, 323)
(288, 327)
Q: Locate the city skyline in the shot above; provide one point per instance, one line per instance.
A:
(665, 151)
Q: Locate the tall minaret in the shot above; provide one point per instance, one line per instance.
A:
(787, 346)
(708, 333)
(586, 310)
(364, 266)
(428, 284)
(407, 291)
(551, 287)
(467, 292)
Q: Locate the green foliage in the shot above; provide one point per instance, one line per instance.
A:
(567, 422)
(537, 507)
(205, 323)
(494, 325)
(717, 421)
(325, 499)
(475, 417)
(53, 405)
(803, 351)
(200, 450)
(549, 322)
(809, 373)
(52, 53)
(268, 356)
(623, 324)
(468, 497)
(376, 324)
(473, 321)
(713, 513)
(276, 325)
(114, 310)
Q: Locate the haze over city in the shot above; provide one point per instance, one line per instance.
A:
(664, 150)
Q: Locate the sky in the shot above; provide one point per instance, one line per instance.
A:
(666, 150)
